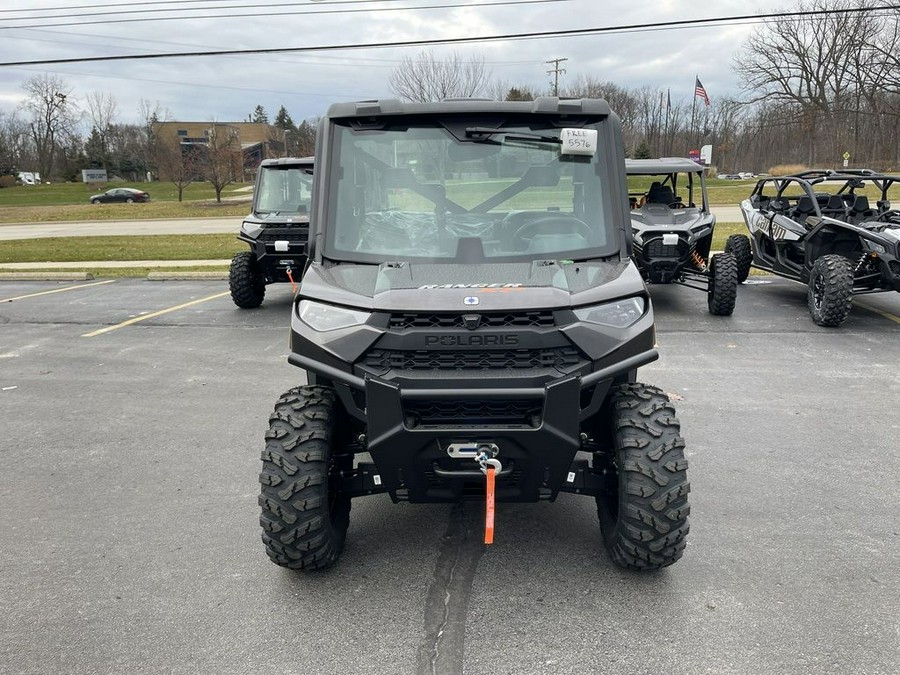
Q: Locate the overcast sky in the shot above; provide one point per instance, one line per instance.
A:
(229, 88)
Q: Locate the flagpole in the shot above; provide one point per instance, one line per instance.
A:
(666, 137)
(693, 112)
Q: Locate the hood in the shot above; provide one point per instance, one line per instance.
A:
(538, 284)
(277, 217)
(660, 215)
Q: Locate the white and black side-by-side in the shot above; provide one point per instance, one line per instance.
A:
(470, 324)
(673, 230)
(834, 231)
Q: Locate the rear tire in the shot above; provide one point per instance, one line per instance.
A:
(247, 286)
(129, 201)
(830, 292)
(304, 513)
(738, 245)
(723, 282)
(644, 518)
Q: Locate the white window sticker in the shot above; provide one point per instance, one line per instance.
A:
(578, 141)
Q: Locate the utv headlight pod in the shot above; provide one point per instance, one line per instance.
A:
(321, 317)
(619, 314)
(252, 230)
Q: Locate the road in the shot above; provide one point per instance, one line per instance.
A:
(9, 231)
(724, 214)
(133, 422)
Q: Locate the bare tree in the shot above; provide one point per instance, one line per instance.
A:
(54, 115)
(151, 114)
(102, 110)
(221, 161)
(14, 150)
(808, 62)
(176, 163)
(425, 78)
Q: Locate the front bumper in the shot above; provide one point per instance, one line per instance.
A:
(537, 452)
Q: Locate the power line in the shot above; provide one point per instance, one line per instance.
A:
(319, 59)
(578, 32)
(311, 12)
(175, 2)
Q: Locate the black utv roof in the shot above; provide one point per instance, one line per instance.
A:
(305, 162)
(539, 106)
(661, 165)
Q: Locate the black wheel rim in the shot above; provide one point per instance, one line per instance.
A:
(818, 290)
(610, 498)
(334, 486)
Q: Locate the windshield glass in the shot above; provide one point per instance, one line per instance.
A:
(283, 189)
(676, 190)
(465, 193)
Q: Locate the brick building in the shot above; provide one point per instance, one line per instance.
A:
(250, 142)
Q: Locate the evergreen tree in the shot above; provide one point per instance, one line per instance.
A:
(642, 151)
(260, 116)
(283, 120)
(517, 94)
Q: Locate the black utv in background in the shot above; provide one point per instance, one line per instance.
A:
(277, 230)
(470, 309)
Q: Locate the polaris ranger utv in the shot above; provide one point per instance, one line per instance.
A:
(277, 230)
(470, 317)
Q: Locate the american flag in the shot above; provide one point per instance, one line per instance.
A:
(700, 91)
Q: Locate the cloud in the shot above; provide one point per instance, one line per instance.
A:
(229, 88)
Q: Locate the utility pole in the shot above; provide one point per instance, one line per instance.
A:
(556, 71)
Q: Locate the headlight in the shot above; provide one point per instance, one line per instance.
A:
(328, 317)
(870, 245)
(251, 229)
(619, 314)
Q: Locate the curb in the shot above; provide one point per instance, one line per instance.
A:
(46, 276)
(183, 276)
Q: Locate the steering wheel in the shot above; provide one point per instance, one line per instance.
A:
(571, 223)
(890, 216)
(677, 204)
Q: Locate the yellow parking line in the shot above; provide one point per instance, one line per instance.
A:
(58, 290)
(886, 315)
(154, 314)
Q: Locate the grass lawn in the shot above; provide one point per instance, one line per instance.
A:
(149, 247)
(56, 194)
(69, 202)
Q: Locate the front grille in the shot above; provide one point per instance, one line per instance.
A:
(655, 248)
(475, 489)
(473, 412)
(294, 234)
(520, 319)
(561, 358)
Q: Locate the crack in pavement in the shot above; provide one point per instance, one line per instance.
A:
(447, 601)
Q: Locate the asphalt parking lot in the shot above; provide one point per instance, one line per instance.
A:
(133, 415)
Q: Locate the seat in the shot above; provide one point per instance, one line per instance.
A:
(860, 210)
(834, 208)
(779, 205)
(760, 202)
(662, 195)
(804, 208)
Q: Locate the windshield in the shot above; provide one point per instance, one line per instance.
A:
(283, 189)
(676, 190)
(465, 193)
